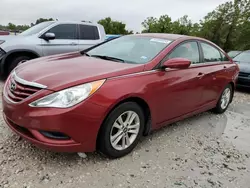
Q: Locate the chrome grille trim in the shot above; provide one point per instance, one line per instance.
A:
(6, 96)
(25, 82)
(17, 79)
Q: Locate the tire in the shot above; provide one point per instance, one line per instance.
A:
(108, 131)
(220, 108)
(15, 61)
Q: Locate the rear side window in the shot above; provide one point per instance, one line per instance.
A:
(188, 50)
(89, 32)
(64, 31)
(211, 54)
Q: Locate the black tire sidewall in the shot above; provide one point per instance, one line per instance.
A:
(218, 108)
(15, 62)
(105, 146)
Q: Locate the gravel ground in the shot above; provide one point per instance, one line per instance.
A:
(206, 150)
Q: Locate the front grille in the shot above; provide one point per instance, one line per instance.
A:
(18, 89)
(18, 92)
(243, 74)
(243, 82)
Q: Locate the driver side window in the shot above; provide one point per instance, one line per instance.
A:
(188, 50)
(65, 31)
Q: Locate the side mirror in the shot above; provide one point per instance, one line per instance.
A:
(177, 63)
(49, 36)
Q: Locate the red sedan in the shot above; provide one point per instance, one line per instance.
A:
(105, 98)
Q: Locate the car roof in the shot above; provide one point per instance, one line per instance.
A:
(165, 36)
(75, 22)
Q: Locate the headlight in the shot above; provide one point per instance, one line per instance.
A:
(2, 41)
(68, 97)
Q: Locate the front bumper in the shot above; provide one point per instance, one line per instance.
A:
(243, 82)
(80, 123)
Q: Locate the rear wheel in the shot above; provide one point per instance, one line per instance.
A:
(224, 100)
(122, 130)
(16, 61)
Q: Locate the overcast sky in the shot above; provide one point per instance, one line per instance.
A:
(131, 12)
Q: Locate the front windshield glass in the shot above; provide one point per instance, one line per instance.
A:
(243, 57)
(131, 49)
(36, 29)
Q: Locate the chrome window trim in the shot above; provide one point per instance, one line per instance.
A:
(206, 63)
(132, 74)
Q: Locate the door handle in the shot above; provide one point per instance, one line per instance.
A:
(73, 44)
(200, 75)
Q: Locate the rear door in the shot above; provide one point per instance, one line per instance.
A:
(89, 35)
(215, 68)
(66, 40)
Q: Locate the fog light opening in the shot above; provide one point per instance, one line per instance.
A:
(55, 135)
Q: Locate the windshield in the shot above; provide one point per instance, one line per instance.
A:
(131, 49)
(244, 57)
(233, 53)
(36, 29)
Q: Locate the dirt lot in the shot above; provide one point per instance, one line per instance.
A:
(203, 151)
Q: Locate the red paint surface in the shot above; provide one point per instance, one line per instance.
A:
(171, 95)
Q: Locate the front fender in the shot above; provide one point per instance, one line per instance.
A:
(116, 90)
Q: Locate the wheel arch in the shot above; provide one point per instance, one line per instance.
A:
(233, 90)
(14, 53)
(142, 103)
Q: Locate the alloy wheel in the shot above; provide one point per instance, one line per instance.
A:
(225, 99)
(125, 130)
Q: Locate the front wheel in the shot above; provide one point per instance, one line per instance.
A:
(16, 61)
(122, 130)
(224, 100)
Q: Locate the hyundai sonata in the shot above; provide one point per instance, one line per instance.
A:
(105, 98)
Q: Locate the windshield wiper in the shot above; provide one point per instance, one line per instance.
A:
(85, 53)
(108, 58)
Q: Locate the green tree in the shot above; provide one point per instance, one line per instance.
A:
(114, 27)
(165, 25)
(11, 26)
(40, 20)
(150, 25)
(228, 25)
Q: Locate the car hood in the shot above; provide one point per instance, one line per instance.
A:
(10, 37)
(14, 41)
(244, 66)
(61, 71)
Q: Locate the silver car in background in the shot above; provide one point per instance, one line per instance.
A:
(48, 38)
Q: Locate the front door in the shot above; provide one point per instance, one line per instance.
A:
(181, 89)
(65, 40)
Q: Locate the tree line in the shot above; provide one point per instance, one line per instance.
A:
(13, 27)
(228, 25)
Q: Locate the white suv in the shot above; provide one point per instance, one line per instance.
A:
(48, 38)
